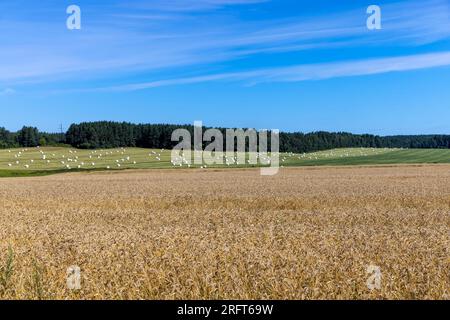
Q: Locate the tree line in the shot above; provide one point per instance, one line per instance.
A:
(106, 134)
(29, 137)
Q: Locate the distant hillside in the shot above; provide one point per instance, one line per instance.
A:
(91, 135)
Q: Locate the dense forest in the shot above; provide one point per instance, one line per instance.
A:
(91, 135)
(29, 137)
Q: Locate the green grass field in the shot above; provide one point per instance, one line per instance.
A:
(43, 161)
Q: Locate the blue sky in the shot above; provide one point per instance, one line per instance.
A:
(282, 64)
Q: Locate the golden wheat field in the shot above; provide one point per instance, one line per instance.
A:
(307, 233)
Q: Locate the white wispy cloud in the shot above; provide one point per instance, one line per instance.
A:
(161, 37)
(303, 72)
(187, 5)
